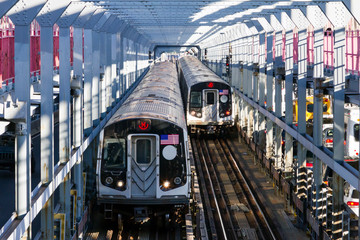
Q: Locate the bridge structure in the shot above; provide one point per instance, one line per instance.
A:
(78, 60)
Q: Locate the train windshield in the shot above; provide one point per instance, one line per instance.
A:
(143, 151)
(114, 153)
(195, 99)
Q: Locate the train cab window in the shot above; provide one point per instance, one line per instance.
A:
(310, 108)
(143, 151)
(356, 132)
(210, 98)
(325, 107)
(195, 99)
(114, 153)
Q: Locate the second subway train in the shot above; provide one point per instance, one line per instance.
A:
(144, 158)
(207, 98)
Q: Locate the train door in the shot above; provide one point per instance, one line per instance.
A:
(144, 162)
(210, 105)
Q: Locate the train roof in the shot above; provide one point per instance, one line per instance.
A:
(196, 72)
(157, 96)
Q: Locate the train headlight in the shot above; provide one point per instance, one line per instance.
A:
(109, 180)
(192, 113)
(198, 114)
(120, 184)
(166, 184)
(177, 180)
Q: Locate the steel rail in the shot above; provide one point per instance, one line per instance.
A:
(236, 166)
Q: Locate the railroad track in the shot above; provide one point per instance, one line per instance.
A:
(233, 211)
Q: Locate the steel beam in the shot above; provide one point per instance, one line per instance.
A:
(78, 116)
(269, 93)
(289, 65)
(114, 77)
(47, 126)
(318, 112)
(88, 74)
(339, 129)
(64, 118)
(278, 98)
(302, 72)
(96, 78)
(107, 70)
(23, 127)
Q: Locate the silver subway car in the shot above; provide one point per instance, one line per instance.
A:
(207, 98)
(143, 158)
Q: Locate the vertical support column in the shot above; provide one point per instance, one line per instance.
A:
(88, 51)
(96, 78)
(255, 77)
(114, 77)
(301, 151)
(64, 120)
(47, 127)
(23, 128)
(262, 79)
(269, 93)
(278, 95)
(136, 60)
(118, 63)
(339, 97)
(77, 118)
(249, 86)
(103, 78)
(108, 77)
(121, 65)
(77, 87)
(289, 64)
(318, 114)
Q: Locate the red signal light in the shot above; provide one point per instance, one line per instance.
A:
(211, 84)
(144, 125)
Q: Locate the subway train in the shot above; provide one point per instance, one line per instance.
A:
(207, 98)
(143, 166)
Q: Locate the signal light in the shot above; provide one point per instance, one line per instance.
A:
(282, 142)
(210, 84)
(352, 204)
(227, 113)
(309, 165)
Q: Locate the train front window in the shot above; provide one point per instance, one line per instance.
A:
(114, 153)
(325, 107)
(210, 98)
(143, 151)
(195, 99)
(356, 132)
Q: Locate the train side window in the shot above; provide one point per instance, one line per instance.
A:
(195, 99)
(210, 98)
(143, 151)
(114, 153)
(356, 132)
